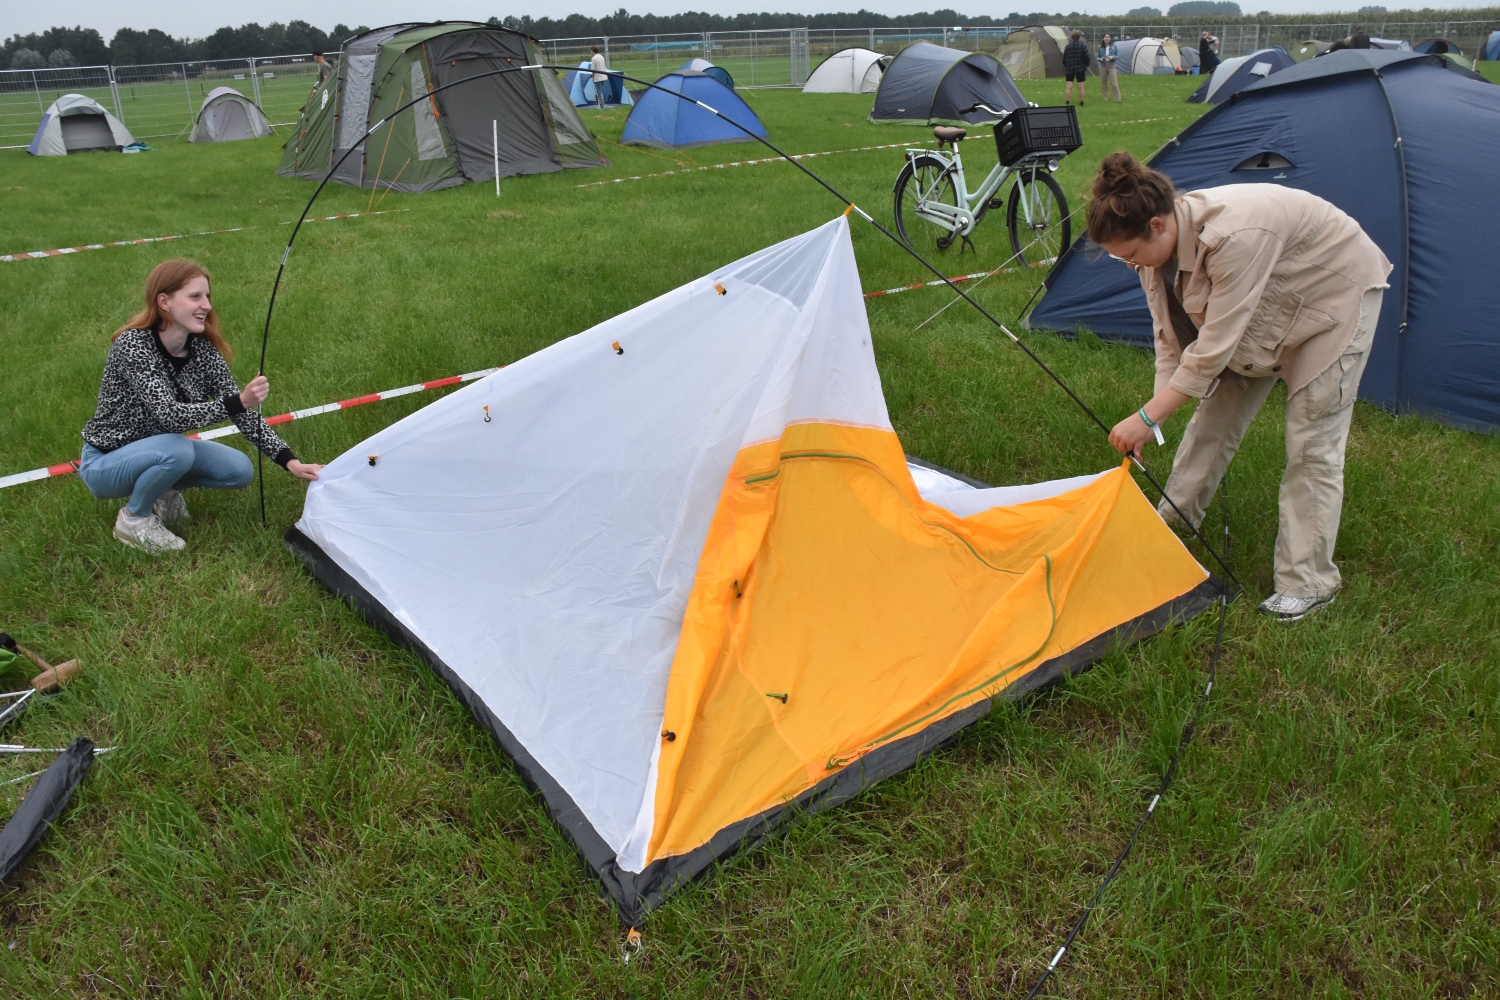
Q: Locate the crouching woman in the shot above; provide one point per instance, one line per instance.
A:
(168, 374)
(1248, 284)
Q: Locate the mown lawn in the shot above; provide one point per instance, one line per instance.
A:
(299, 808)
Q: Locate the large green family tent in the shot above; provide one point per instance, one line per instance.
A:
(1309, 49)
(1034, 52)
(523, 119)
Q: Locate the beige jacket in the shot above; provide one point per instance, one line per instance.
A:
(1272, 278)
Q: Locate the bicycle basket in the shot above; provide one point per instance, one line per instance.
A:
(1032, 131)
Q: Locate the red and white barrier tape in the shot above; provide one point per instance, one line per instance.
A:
(768, 159)
(63, 468)
(962, 277)
(36, 254)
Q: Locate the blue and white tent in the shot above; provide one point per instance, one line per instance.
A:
(1387, 156)
(1234, 75)
(579, 84)
(1490, 47)
(700, 65)
(660, 119)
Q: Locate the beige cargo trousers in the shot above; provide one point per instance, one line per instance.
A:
(1312, 488)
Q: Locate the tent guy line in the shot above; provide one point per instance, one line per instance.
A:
(64, 468)
(751, 163)
(60, 251)
(962, 277)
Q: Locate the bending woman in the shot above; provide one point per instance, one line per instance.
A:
(1248, 284)
(168, 374)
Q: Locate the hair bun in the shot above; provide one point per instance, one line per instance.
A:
(1127, 194)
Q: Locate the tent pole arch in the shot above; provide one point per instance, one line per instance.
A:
(1401, 329)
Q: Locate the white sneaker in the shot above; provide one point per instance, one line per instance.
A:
(171, 507)
(146, 533)
(1290, 609)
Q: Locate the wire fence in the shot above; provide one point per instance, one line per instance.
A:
(162, 100)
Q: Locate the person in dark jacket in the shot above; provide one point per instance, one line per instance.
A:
(1076, 60)
(1208, 57)
(1360, 39)
(167, 374)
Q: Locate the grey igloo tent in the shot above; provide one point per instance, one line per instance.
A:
(228, 115)
(926, 84)
(77, 124)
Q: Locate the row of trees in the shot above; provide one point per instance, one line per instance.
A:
(86, 47)
(80, 46)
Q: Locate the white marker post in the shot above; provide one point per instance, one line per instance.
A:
(495, 128)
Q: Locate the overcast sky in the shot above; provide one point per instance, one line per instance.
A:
(193, 19)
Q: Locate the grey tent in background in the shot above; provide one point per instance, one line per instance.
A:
(228, 115)
(76, 124)
(926, 84)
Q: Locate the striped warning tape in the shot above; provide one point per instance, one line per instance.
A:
(768, 159)
(1048, 262)
(63, 468)
(36, 254)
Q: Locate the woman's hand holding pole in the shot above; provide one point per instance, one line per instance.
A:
(1130, 434)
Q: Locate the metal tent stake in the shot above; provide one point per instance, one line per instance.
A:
(495, 128)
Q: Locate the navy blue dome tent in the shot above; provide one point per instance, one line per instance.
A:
(1331, 126)
(926, 84)
(1234, 75)
(660, 119)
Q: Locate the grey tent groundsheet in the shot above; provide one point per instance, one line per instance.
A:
(78, 124)
(926, 84)
(1387, 157)
(228, 116)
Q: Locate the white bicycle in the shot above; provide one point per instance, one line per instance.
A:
(935, 207)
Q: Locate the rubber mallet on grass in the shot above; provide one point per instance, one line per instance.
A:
(51, 678)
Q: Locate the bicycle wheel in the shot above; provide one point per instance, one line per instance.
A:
(1041, 234)
(929, 180)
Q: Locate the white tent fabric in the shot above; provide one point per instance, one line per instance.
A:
(1146, 55)
(539, 531)
(847, 71)
(228, 115)
(75, 123)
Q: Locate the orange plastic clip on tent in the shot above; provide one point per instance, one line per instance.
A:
(680, 568)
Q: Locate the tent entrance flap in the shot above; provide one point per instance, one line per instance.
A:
(473, 108)
(85, 132)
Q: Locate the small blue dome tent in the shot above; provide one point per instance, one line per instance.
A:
(697, 65)
(1437, 347)
(579, 83)
(1489, 48)
(660, 119)
(1234, 75)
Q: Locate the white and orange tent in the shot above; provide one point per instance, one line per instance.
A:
(679, 566)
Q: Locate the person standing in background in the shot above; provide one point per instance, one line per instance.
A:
(1208, 55)
(601, 78)
(1109, 55)
(325, 68)
(1076, 61)
(1360, 39)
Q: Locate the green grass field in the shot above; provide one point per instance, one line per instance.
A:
(299, 808)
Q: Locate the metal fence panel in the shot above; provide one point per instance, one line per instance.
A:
(25, 95)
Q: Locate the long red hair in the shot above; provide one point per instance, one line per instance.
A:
(167, 278)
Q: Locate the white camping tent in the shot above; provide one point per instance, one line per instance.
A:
(228, 115)
(1160, 56)
(680, 568)
(847, 71)
(73, 124)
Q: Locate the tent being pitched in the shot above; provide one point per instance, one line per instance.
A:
(449, 138)
(228, 115)
(1445, 363)
(1234, 75)
(847, 71)
(76, 124)
(700, 65)
(685, 576)
(927, 83)
(579, 83)
(660, 119)
(1034, 52)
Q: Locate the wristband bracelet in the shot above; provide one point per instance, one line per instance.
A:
(1155, 427)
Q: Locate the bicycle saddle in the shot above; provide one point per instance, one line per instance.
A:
(947, 133)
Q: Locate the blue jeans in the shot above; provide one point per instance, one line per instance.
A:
(143, 470)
